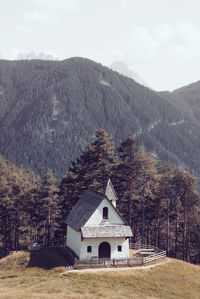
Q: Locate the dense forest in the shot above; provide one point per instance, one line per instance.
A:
(49, 109)
(159, 202)
(187, 99)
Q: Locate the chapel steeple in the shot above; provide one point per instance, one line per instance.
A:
(110, 193)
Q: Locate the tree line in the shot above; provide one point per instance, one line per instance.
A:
(159, 202)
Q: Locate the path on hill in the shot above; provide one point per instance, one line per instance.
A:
(117, 269)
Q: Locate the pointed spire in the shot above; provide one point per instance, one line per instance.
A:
(110, 192)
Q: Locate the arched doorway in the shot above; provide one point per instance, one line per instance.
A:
(104, 250)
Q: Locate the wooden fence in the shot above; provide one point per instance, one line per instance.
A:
(140, 248)
(135, 261)
(154, 257)
(103, 262)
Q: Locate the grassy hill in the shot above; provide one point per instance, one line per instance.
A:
(46, 259)
(22, 277)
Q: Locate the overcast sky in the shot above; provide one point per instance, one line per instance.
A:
(158, 39)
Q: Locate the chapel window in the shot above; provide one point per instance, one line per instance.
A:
(105, 213)
(119, 248)
(89, 249)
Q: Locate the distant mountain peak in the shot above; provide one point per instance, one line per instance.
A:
(122, 68)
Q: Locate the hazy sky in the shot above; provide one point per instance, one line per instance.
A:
(159, 39)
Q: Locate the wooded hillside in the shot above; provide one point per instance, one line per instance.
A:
(49, 109)
(160, 203)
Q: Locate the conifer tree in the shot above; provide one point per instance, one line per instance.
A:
(185, 188)
(164, 200)
(97, 160)
(91, 170)
(49, 208)
(5, 206)
(134, 177)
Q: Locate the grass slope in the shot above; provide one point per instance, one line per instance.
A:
(46, 258)
(21, 278)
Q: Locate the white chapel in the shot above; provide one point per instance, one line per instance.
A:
(95, 228)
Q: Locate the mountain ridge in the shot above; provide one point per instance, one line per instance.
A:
(122, 68)
(49, 110)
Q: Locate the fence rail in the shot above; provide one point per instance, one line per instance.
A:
(140, 248)
(154, 257)
(103, 262)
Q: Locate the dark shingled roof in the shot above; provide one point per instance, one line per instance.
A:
(84, 208)
(106, 231)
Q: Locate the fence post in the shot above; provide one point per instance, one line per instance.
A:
(113, 262)
(75, 261)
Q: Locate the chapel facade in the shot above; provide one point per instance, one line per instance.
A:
(95, 228)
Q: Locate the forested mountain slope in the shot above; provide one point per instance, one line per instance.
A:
(49, 110)
(187, 97)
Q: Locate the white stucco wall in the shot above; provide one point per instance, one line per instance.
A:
(73, 240)
(114, 242)
(97, 217)
(114, 203)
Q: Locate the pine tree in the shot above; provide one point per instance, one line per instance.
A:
(185, 188)
(97, 160)
(4, 204)
(48, 209)
(134, 178)
(91, 170)
(165, 203)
